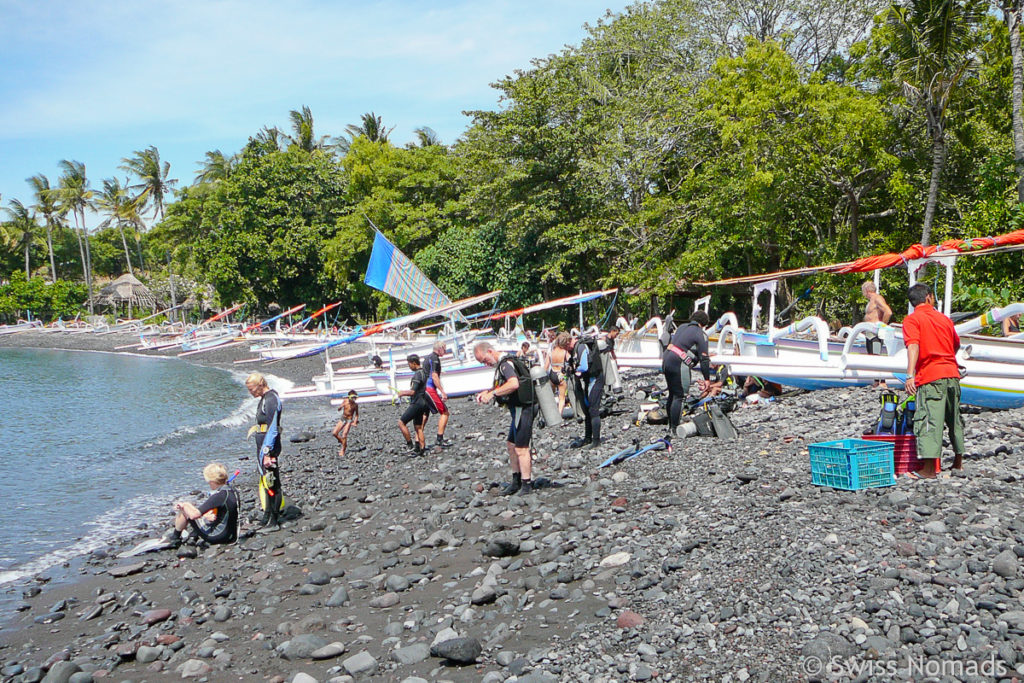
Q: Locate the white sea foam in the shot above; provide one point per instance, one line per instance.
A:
(109, 527)
(103, 531)
(242, 414)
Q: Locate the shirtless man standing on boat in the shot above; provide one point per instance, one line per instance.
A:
(877, 310)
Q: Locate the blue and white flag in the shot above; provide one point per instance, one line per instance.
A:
(393, 272)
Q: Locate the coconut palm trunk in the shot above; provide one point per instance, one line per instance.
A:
(81, 252)
(49, 247)
(1012, 15)
(938, 164)
(124, 243)
(28, 244)
(83, 243)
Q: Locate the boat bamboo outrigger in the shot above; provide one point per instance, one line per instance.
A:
(994, 365)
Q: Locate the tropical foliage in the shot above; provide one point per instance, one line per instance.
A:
(680, 141)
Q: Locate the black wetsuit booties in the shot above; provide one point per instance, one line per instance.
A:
(689, 346)
(419, 407)
(268, 442)
(587, 360)
(224, 527)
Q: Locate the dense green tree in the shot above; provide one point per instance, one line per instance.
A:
(407, 193)
(23, 296)
(679, 140)
(258, 235)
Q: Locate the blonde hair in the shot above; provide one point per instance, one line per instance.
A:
(215, 473)
(562, 340)
(255, 380)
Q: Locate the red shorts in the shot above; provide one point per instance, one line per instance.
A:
(436, 404)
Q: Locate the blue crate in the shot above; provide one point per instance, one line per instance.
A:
(852, 464)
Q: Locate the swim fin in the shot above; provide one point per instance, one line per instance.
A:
(722, 425)
(887, 420)
(659, 445)
(704, 425)
(906, 423)
(621, 455)
(150, 545)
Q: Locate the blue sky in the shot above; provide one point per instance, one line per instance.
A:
(95, 81)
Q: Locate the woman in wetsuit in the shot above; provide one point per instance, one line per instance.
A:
(268, 449)
(555, 366)
(687, 350)
(216, 520)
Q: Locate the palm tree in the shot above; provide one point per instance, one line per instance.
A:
(48, 206)
(935, 43)
(22, 228)
(75, 197)
(217, 167)
(371, 127)
(152, 175)
(302, 131)
(426, 137)
(120, 208)
(271, 136)
(1012, 11)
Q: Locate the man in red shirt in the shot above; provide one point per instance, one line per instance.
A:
(933, 374)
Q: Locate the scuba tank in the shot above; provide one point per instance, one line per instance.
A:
(906, 421)
(611, 368)
(889, 416)
(545, 397)
(686, 428)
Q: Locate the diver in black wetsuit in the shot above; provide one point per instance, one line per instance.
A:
(418, 409)
(222, 527)
(268, 449)
(687, 350)
(589, 382)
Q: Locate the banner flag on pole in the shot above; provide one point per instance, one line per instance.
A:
(394, 273)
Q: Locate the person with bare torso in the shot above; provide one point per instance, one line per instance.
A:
(349, 418)
(555, 365)
(877, 310)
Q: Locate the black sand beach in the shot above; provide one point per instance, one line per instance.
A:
(717, 561)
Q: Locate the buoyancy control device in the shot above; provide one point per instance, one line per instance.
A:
(708, 420)
(888, 418)
(906, 420)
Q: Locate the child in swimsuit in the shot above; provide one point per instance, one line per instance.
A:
(349, 419)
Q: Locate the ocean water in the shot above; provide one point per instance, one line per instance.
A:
(94, 444)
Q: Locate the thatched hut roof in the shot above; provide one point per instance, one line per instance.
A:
(126, 290)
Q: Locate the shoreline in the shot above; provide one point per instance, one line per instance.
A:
(62, 565)
(718, 558)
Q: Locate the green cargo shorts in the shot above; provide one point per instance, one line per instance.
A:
(938, 404)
